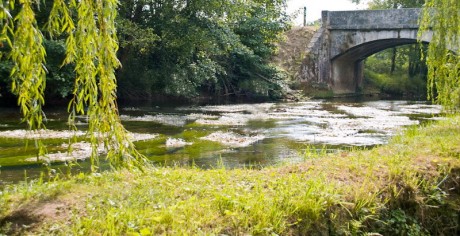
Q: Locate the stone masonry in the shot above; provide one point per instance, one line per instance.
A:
(335, 55)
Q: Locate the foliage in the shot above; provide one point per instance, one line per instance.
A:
(177, 48)
(28, 73)
(200, 47)
(387, 4)
(408, 77)
(396, 84)
(88, 29)
(406, 188)
(59, 78)
(443, 59)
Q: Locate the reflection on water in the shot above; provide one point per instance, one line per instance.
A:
(242, 135)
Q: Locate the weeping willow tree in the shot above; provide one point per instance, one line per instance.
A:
(442, 17)
(89, 29)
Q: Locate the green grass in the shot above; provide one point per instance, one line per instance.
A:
(396, 84)
(408, 187)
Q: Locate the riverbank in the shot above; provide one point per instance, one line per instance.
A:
(408, 187)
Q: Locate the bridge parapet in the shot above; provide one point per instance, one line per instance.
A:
(372, 19)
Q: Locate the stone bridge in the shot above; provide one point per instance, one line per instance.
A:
(335, 55)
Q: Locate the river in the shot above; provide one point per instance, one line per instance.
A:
(233, 136)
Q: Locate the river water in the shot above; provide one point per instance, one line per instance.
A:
(238, 135)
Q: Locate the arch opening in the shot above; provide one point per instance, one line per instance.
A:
(347, 68)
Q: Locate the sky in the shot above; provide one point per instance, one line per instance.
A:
(314, 7)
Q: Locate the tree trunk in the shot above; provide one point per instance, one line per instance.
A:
(393, 61)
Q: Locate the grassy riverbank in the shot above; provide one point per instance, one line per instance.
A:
(408, 187)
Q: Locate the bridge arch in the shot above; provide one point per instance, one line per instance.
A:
(347, 68)
(336, 53)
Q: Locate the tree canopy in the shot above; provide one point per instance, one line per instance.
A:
(177, 49)
(386, 4)
(201, 47)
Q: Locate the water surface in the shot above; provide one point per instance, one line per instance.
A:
(240, 135)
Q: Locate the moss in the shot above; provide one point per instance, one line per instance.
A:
(193, 134)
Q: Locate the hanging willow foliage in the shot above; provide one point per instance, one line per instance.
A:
(91, 46)
(442, 17)
(5, 25)
(29, 72)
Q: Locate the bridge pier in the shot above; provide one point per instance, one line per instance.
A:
(347, 76)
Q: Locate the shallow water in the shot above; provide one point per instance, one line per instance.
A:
(241, 135)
